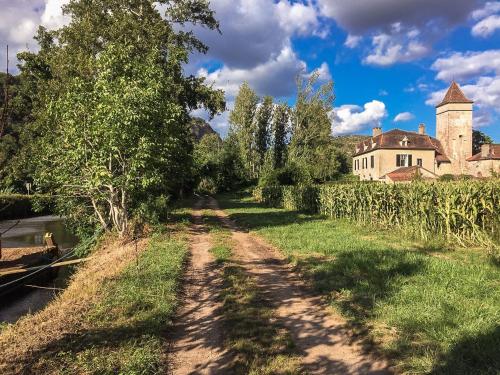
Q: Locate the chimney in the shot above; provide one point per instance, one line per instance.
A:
(485, 150)
(421, 129)
(377, 130)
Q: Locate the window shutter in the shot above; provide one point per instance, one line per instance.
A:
(372, 161)
(398, 160)
(409, 161)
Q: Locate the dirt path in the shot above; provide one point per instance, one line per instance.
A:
(197, 337)
(321, 338)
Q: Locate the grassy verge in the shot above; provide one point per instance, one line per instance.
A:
(261, 345)
(124, 332)
(431, 308)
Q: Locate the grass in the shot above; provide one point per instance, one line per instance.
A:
(260, 344)
(430, 308)
(124, 332)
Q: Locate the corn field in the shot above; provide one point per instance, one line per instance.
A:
(467, 212)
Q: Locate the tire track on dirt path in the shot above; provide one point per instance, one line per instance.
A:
(196, 341)
(322, 339)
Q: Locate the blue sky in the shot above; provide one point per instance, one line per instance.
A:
(389, 59)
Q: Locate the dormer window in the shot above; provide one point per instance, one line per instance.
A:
(365, 146)
(404, 142)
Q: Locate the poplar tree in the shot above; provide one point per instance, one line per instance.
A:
(263, 130)
(242, 127)
(280, 125)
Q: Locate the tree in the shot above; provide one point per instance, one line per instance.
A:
(479, 139)
(310, 146)
(280, 125)
(262, 131)
(242, 126)
(113, 106)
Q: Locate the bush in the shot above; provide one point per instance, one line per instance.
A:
(463, 211)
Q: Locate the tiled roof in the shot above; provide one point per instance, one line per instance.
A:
(393, 140)
(407, 173)
(454, 95)
(493, 154)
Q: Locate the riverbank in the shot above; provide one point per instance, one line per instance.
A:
(100, 322)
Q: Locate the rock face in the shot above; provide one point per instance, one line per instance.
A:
(200, 128)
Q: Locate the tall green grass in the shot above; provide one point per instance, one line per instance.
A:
(430, 308)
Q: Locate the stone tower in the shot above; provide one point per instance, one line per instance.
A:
(454, 128)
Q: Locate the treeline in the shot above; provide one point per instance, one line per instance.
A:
(465, 211)
(272, 143)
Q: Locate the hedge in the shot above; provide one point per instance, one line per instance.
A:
(465, 211)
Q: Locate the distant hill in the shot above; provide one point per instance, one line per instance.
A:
(200, 128)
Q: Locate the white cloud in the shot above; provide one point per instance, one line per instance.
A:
(53, 17)
(466, 65)
(485, 93)
(297, 17)
(383, 93)
(274, 77)
(489, 8)
(389, 49)
(404, 116)
(349, 119)
(487, 26)
(353, 41)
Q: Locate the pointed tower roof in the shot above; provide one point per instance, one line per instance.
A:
(454, 95)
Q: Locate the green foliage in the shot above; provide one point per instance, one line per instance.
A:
(217, 163)
(479, 139)
(242, 128)
(280, 130)
(262, 131)
(112, 106)
(465, 212)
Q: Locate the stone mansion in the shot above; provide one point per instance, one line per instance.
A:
(398, 155)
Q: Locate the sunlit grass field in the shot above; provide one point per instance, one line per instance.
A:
(429, 307)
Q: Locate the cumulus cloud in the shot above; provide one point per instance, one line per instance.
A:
(389, 49)
(353, 41)
(19, 21)
(274, 77)
(487, 26)
(394, 25)
(464, 65)
(364, 15)
(260, 28)
(404, 116)
(349, 119)
(485, 93)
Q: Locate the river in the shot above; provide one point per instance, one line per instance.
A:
(29, 233)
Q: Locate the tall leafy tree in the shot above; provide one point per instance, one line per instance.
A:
(311, 127)
(112, 105)
(242, 126)
(280, 126)
(263, 130)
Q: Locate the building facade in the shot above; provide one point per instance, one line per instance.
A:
(397, 155)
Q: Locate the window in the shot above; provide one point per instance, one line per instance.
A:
(372, 161)
(419, 162)
(403, 160)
